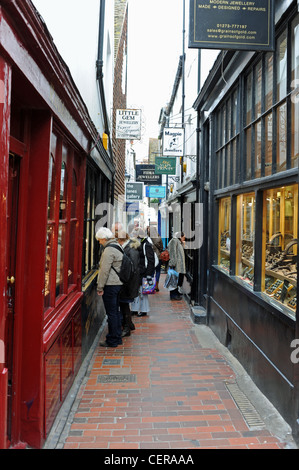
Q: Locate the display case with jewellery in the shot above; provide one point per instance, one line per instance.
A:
(280, 222)
(224, 234)
(245, 237)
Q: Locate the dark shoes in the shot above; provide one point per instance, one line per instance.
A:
(141, 314)
(177, 297)
(134, 313)
(126, 332)
(104, 344)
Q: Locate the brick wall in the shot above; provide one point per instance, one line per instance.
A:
(119, 95)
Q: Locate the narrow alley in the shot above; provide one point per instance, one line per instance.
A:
(170, 385)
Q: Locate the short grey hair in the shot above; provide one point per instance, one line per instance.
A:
(104, 233)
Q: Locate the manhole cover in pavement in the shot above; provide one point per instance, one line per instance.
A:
(116, 378)
(112, 362)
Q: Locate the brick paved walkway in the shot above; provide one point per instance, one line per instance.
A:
(161, 390)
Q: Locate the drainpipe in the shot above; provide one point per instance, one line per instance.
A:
(99, 71)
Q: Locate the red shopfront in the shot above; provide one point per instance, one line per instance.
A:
(45, 137)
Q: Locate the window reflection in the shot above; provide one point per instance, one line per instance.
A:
(245, 237)
(60, 260)
(224, 233)
(295, 94)
(63, 192)
(281, 66)
(281, 137)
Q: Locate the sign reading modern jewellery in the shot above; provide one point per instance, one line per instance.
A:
(232, 24)
(155, 191)
(165, 166)
(134, 191)
(146, 174)
(173, 142)
(128, 124)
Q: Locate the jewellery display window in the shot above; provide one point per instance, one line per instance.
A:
(61, 263)
(245, 237)
(280, 222)
(224, 233)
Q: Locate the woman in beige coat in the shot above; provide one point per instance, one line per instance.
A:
(109, 285)
(177, 261)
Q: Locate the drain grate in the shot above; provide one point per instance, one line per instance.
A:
(111, 379)
(249, 413)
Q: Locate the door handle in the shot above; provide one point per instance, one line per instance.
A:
(11, 280)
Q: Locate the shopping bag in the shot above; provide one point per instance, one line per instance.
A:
(171, 280)
(149, 285)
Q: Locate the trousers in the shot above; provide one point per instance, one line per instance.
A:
(114, 316)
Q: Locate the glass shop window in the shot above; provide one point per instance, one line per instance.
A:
(281, 63)
(280, 244)
(245, 237)
(268, 144)
(258, 90)
(61, 265)
(227, 142)
(269, 80)
(224, 233)
(295, 93)
(281, 132)
(90, 249)
(73, 230)
(62, 225)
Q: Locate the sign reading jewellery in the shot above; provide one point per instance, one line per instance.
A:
(173, 142)
(146, 174)
(232, 24)
(128, 124)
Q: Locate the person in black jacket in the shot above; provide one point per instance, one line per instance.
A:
(130, 290)
(140, 306)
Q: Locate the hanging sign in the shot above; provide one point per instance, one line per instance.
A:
(134, 191)
(155, 191)
(165, 166)
(146, 174)
(173, 142)
(232, 24)
(128, 124)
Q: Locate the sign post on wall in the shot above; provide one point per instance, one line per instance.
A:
(231, 24)
(128, 124)
(173, 142)
(165, 166)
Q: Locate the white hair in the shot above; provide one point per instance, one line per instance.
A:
(104, 232)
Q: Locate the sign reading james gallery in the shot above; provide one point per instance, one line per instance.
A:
(232, 24)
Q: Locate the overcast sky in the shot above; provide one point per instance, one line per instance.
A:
(155, 43)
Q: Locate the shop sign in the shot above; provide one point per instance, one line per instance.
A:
(146, 174)
(173, 142)
(134, 191)
(131, 206)
(165, 166)
(232, 24)
(128, 124)
(155, 191)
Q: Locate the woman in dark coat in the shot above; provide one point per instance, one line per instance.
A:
(130, 290)
(140, 306)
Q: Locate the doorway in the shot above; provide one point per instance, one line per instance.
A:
(12, 228)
